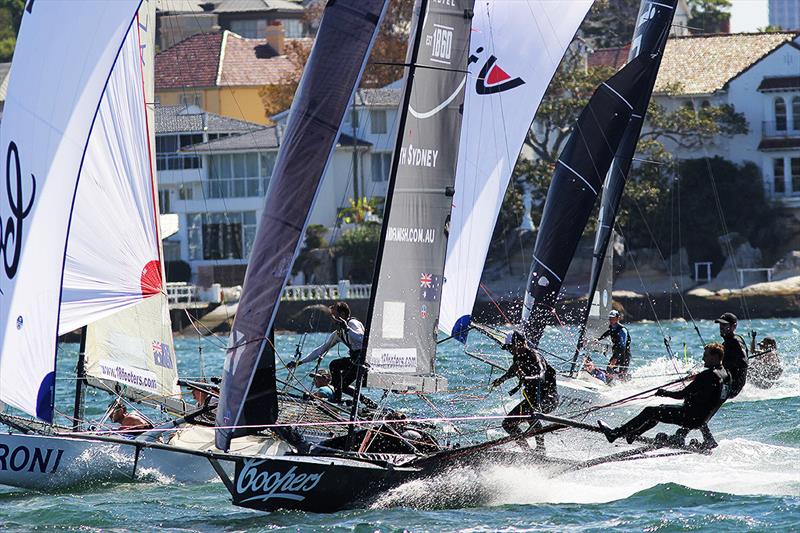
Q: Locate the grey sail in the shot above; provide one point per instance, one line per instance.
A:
(337, 60)
(577, 181)
(650, 36)
(406, 295)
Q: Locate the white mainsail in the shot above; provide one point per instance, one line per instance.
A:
(516, 48)
(63, 122)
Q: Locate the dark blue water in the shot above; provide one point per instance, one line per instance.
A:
(750, 483)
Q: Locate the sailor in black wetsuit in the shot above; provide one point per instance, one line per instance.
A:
(537, 379)
(701, 400)
(350, 332)
(735, 361)
(620, 360)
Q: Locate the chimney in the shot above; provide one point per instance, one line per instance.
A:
(275, 36)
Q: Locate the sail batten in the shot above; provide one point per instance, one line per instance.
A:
(332, 72)
(515, 49)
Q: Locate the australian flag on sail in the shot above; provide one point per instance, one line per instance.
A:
(430, 287)
(162, 355)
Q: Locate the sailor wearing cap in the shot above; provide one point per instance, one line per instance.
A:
(322, 384)
(735, 360)
(620, 346)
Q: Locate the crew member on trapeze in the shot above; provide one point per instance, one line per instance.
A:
(619, 364)
(537, 380)
(735, 361)
(765, 368)
(701, 399)
(350, 332)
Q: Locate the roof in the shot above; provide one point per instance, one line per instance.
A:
(703, 64)
(193, 62)
(5, 68)
(179, 6)
(252, 62)
(378, 97)
(264, 138)
(250, 6)
(201, 61)
(778, 83)
(183, 119)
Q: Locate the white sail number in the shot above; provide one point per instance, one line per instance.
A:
(441, 43)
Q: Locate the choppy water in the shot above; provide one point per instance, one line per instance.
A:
(752, 482)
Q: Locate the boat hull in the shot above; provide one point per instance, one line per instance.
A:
(317, 484)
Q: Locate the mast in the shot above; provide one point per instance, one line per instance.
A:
(649, 39)
(80, 377)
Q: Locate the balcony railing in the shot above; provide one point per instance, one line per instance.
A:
(236, 187)
(779, 129)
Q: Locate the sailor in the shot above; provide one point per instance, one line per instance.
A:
(765, 368)
(735, 352)
(537, 379)
(350, 332)
(597, 373)
(128, 421)
(701, 400)
(620, 360)
(322, 384)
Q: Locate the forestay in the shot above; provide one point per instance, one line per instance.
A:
(577, 181)
(57, 80)
(340, 51)
(408, 282)
(515, 50)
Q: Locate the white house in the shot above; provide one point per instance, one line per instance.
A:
(214, 172)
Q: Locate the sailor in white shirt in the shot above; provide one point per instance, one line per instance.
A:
(344, 370)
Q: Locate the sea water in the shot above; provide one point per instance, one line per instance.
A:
(750, 483)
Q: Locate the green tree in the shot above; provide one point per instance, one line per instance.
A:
(360, 245)
(709, 16)
(610, 23)
(10, 19)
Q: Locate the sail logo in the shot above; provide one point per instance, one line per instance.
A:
(20, 204)
(418, 157)
(411, 235)
(430, 285)
(162, 355)
(23, 459)
(255, 484)
(441, 43)
(492, 79)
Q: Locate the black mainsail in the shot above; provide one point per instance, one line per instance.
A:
(409, 271)
(649, 38)
(577, 181)
(337, 60)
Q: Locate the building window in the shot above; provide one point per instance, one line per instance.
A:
(249, 29)
(292, 28)
(795, 169)
(168, 155)
(796, 113)
(221, 235)
(239, 175)
(381, 165)
(194, 99)
(780, 114)
(377, 119)
(778, 180)
(163, 201)
(185, 192)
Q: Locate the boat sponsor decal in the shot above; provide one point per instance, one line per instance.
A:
(29, 459)
(430, 287)
(396, 360)
(418, 157)
(411, 235)
(255, 482)
(440, 42)
(20, 204)
(162, 355)
(393, 320)
(135, 377)
(492, 78)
